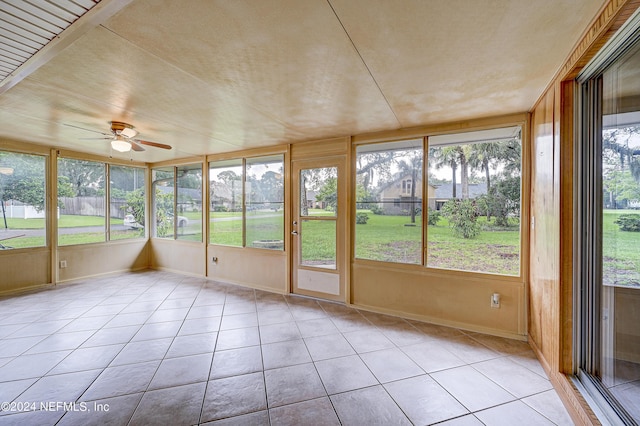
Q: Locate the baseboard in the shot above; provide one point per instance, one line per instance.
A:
(23, 290)
(438, 321)
(103, 274)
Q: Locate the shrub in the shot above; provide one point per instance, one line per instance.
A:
(628, 222)
(362, 218)
(376, 209)
(462, 215)
(433, 217)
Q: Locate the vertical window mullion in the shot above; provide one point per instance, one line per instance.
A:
(244, 205)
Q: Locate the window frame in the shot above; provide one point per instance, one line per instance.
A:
(174, 180)
(242, 158)
(46, 158)
(518, 120)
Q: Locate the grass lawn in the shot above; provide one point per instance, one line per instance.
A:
(387, 238)
(384, 238)
(620, 251)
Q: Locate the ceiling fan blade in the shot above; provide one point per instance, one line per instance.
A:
(155, 144)
(95, 139)
(135, 146)
(87, 130)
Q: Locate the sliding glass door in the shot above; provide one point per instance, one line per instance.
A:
(608, 275)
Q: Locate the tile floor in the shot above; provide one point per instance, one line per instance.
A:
(159, 348)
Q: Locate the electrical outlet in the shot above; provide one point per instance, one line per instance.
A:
(63, 264)
(495, 300)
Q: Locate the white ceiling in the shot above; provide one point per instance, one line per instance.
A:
(209, 76)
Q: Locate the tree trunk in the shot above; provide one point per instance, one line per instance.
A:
(464, 177)
(485, 164)
(454, 188)
(413, 195)
(303, 195)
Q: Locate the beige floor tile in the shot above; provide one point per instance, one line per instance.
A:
(177, 406)
(235, 362)
(289, 385)
(182, 371)
(549, 405)
(285, 354)
(471, 388)
(233, 396)
(344, 374)
(513, 413)
(329, 346)
(391, 364)
(369, 406)
(515, 378)
(424, 401)
(314, 412)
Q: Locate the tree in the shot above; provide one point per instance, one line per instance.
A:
(86, 177)
(412, 165)
(482, 155)
(232, 181)
(24, 180)
(446, 157)
(370, 164)
(502, 200)
(135, 204)
(621, 187)
(271, 186)
(328, 193)
(462, 216)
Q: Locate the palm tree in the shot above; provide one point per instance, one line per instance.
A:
(445, 157)
(481, 157)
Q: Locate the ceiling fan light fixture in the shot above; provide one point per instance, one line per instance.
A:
(120, 145)
(128, 132)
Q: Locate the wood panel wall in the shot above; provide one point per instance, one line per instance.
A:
(550, 286)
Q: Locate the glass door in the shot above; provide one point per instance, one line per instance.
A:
(609, 243)
(318, 229)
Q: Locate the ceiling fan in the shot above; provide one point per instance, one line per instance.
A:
(122, 137)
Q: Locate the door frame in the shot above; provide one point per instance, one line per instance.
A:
(342, 240)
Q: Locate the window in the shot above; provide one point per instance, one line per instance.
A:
(392, 204)
(264, 200)
(81, 200)
(607, 279)
(225, 188)
(247, 195)
(474, 201)
(163, 192)
(126, 203)
(22, 200)
(189, 202)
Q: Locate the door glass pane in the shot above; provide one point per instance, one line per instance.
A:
(318, 243)
(620, 287)
(319, 192)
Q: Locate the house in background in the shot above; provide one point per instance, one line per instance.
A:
(444, 193)
(396, 197)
